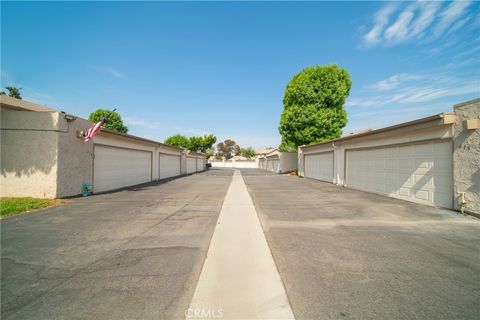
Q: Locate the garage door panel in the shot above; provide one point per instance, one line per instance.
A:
(442, 164)
(422, 195)
(319, 166)
(390, 163)
(422, 163)
(422, 149)
(169, 165)
(200, 165)
(118, 167)
(418, 172)
(191, 165)
(442, 148)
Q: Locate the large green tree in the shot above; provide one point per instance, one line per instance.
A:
(178, 140)
(314, 106)
(114, 121)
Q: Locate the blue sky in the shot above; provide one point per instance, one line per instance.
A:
(222, 67)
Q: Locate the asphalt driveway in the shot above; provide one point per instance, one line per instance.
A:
(133, 254)
(346, 254)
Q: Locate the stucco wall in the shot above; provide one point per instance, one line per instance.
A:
(235, 164)
(29, 150)
(466, 157)
(74, 157)
(288, 161)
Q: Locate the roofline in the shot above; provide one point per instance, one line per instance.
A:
(195, 153)
(31, 106)
(397, 126)
(126, 135)
(24, 104)
(477, 100)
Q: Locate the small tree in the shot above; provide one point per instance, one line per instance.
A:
(210, 153)
(314, 106)
(228, 149)
(207, 142)
(248, 152)
(178, 140)
(114, 121)
(13, 92)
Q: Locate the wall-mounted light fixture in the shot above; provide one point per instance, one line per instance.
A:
(69, 117)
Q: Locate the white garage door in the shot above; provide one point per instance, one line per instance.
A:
(169, 165)
(264, 164)
(273, 165)
(191, 165)
(415, 172)
(115, 168)
(319, 166)
(200, 165)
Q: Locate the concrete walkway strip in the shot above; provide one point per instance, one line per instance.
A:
(239, 279)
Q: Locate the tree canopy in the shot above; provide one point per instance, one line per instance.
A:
(13, 92)
(114, 121)
(248, 152)
(178, 140)
(202, 144)
(227, 149)
(314, 106)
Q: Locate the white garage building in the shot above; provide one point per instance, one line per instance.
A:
(423, 161)
(43, 155)
(279, 162)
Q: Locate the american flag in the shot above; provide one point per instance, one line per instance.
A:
(96, 128)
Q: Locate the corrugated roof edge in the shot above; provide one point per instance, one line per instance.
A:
(396, 126)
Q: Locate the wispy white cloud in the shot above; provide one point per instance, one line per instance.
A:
(393, 81)
(417, 94)
(114, 72)
(420, 20)
(142, 123)
(381, 21)
(451, 14)
(425, 17)
(190, 131)
(399, 30)
(457, 25)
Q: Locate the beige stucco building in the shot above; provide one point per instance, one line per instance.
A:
(43, 155)
(433, 160)
(278, 162)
